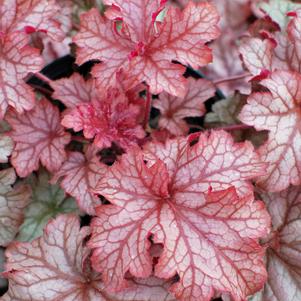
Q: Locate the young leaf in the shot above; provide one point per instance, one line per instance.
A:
(54, 267)
(174, 109)
(46, 202)
(225, 112)
(12, 204)
(16, 61)
(107, 119)
(74, 90)
(38, 136)
(284, 255)
(278, 111)
(145, 49)
(80, 175)
(158, 199)
(29, 16)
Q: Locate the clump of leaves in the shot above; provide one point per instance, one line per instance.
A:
(164, 164)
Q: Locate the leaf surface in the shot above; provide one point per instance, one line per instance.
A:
(278, 9)
(215, 161)
(38, 136)
(46, 202)
(145, 51)
(174, 109)
(194, 229)
(54, 267)
(74, 90)
(12, 204)
(6, 147)
(283, 256)
(80, 175)
(278, 50)
(29, 15)
(17, 59)
(278, 111)
(107, 119)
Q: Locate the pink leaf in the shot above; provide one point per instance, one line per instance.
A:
(12, 204)
(150, 289)
(155, 201)
(257, 54)
(108, 119)
(52, 267)
(38, 136)
(226, 63)
(16, 61)
(280, 50)
(30, 16)
(215, 161)
(80, 175)
(174, 109)
(283, 256)
(145, 49)
(74, 90)
(58, 260)
(278, 111)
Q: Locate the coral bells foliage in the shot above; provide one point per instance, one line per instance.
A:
(160, 161)
(134, 38)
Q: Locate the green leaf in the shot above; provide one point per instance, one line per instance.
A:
(47, 202)
(278, 9)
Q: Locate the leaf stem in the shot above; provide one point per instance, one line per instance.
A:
(43, 90)
(232, 79)
(42, 77)
(234, 127)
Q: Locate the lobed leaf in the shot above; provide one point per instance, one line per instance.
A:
(174, 109)
(144, 50)
(46, 202)
(54, 267)
(17, 60)
(38, 136)
(165, 200)
(80, 176)
(278, 111)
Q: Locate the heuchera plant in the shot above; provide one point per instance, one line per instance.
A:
(161, 159)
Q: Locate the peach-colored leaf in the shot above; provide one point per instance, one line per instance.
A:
(109, 118)
(174, 109)
(74, 90)
(215, 161)
(12, 204)
(156, 200)
(55, 267)
(278, 111)
(16, 61)
(145, 50)
(38, 136)
(80, 175)
(279, 50)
